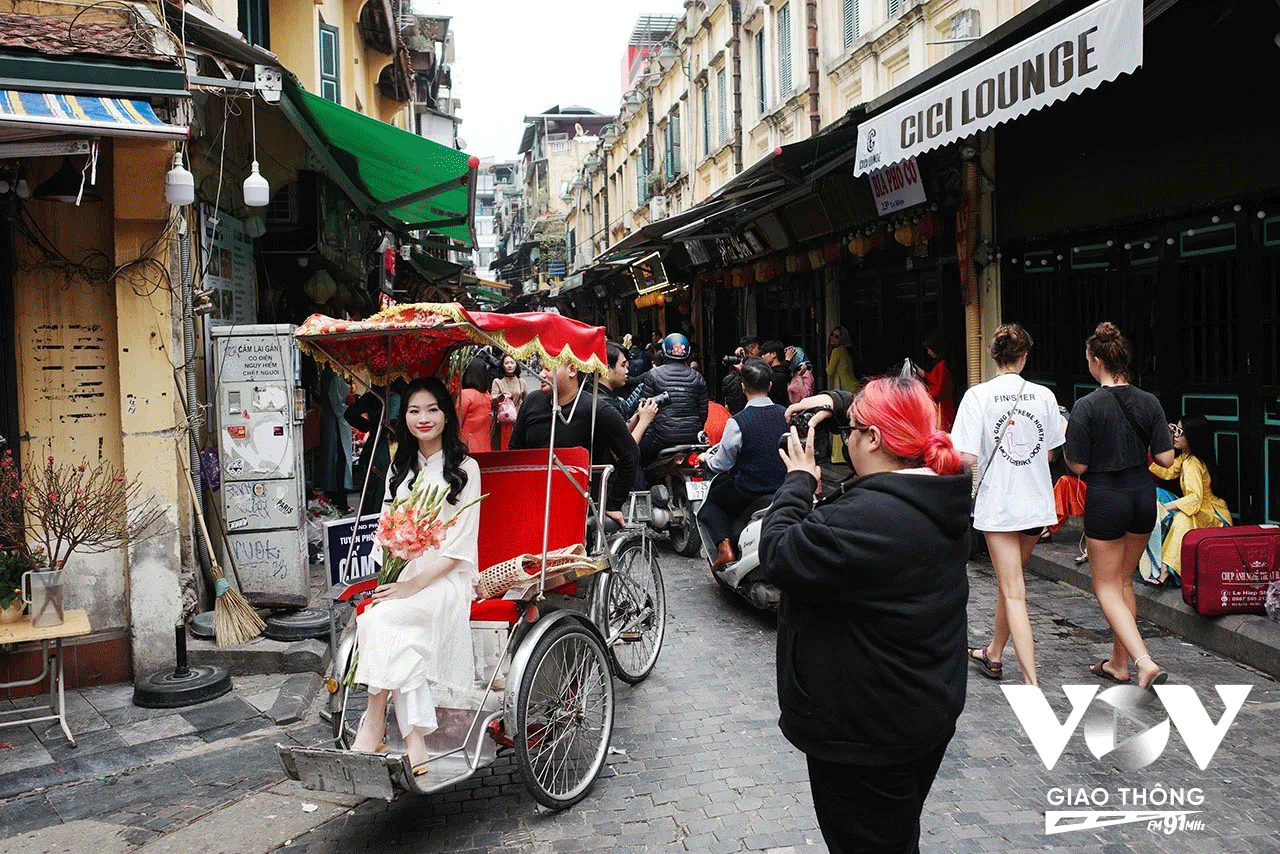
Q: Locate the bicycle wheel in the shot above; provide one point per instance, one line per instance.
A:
(636, 613)
(564, 716)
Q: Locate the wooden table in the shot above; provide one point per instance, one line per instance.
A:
(74, 623)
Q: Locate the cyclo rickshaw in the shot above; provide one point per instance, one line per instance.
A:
(548, 647)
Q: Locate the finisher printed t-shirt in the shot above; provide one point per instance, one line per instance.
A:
(1101, 436)
(1016, 492)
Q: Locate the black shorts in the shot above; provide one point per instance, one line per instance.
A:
(1119, 503)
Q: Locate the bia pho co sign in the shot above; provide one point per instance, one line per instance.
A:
(1093, 46)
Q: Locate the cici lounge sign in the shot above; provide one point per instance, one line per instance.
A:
(1093, 46)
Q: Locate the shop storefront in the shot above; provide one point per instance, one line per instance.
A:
(1154, 202)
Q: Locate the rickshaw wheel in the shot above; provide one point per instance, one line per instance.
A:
(564, 716)
(635, 585)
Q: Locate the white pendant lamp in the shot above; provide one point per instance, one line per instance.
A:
(257, 192)
(179, 184)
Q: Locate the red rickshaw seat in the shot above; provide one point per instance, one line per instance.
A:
(511, 516)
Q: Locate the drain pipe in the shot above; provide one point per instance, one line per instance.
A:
(735, 7)
(189, 363)
(972, 308)
(815, 116)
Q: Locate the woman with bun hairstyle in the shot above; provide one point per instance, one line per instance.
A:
(871, 625)
(1008, 427)
(1108, 437)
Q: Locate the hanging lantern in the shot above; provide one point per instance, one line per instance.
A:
(816, 259)
(905, 234)
(860, 245)
(879, 238)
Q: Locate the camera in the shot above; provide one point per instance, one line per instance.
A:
(731, 360)
(660, 400)
(800, 421)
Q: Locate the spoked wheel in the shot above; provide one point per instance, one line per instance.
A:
(564, 716)
(636, 615)
(684, 537)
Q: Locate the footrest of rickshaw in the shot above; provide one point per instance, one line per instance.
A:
(328, 769)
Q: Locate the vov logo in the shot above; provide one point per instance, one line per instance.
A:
(1103, 713)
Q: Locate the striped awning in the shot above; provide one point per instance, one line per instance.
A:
(57, 113)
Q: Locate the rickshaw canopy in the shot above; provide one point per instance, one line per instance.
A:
(412, 340)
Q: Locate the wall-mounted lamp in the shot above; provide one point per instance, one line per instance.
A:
(670, 55)
(610, 132)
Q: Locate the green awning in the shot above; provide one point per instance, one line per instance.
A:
(403, 180)
(91, 76)
(433, 269)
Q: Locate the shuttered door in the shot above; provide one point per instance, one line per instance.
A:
(784, 50)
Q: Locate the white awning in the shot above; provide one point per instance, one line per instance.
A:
(49, 112)
(1091, 47)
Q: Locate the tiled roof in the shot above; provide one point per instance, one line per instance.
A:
(71, 37)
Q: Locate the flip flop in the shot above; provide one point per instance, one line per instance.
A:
(1161, 677)
(987, 667)
(1100, 670)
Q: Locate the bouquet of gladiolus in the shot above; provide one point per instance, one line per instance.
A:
(408, 529)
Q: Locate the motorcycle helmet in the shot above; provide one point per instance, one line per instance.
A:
(800, 358)
(676, 346)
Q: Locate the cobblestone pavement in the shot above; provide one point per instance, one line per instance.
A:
(702, 767)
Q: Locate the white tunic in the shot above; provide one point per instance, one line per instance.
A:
(409, 645)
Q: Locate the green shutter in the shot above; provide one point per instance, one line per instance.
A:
(761, 78)
(784, 50)
(895, 7)
(851, 23)
(722, 104)
(706, 119)
(330, 87)
(674, 145)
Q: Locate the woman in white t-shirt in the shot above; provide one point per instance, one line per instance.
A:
(1008, 427)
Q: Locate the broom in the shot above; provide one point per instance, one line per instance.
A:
(234, 619)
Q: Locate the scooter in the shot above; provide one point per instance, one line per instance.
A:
(670, 505)
(742, 576)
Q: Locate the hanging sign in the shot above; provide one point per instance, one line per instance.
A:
(897, 187)
(1093, 46)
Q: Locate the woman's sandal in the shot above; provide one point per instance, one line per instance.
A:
(1100, 670)
(987, 667)
(421, 769)
(1160, 677)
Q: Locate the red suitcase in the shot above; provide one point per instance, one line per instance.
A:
(1227, 570)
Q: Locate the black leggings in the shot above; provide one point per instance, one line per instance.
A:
(1119, 503)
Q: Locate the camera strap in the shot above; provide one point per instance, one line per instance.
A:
(1017, 398)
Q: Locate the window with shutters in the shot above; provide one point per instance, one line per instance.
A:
(784, 50)
(761, 74)
(722, 103)
(253, 19)
(672, 145)
(706, 119)
(851, 24)
(895, 7)
(642, 175)
(330, 85)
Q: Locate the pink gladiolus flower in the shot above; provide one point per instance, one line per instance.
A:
(50, 459)
(53, 496)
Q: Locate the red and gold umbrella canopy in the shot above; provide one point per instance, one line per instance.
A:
(412, 340)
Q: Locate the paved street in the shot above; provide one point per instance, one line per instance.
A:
(703, 768)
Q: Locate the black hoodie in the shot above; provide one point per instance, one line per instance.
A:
(871, 629)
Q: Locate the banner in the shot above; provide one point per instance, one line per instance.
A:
(897, 187)
(1093, 46)
(337, 543)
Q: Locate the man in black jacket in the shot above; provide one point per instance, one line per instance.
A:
(681, 419)
(872, 642)
(612, 443)
(774, 355)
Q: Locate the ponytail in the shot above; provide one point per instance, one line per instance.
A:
(907, 419)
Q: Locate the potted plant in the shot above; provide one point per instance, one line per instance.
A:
(12, 564)
(50, 511)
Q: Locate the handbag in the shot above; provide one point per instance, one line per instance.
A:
(1017, 398)
(507, 412)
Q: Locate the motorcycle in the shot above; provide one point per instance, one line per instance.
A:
(742, 576)
(672, 503)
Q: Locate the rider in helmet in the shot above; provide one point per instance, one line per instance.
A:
(679, 421)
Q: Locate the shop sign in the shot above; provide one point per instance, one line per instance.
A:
(897, 187)
(337, 546)
(1091, 47)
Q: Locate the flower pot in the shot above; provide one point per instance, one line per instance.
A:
(14, 612)
(42, 591)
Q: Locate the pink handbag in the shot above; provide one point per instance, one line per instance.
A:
(507, 411)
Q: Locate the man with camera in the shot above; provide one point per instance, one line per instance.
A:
(748, 449)
(683, 411)
(731, 386)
